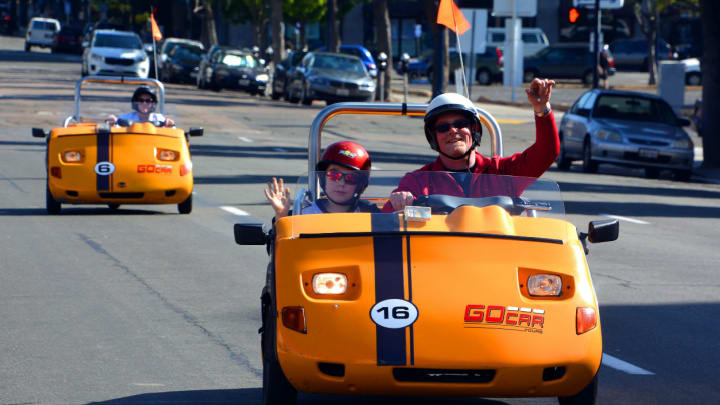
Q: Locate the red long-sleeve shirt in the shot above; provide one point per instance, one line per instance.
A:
(532, 162)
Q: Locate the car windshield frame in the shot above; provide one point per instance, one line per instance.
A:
(117, 41)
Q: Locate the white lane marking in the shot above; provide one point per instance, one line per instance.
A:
(235, 211)
(244, 139)
(280, 150)
(624, 366)
(635, 221)
(373, 167)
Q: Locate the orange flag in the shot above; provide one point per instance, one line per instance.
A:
(450, 16)
(155, 30)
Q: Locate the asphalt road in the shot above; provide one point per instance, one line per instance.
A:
(145, 306)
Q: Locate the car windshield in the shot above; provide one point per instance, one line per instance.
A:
(117, 41)
(337, 62)
(518, 196)
(239, 60)
(634, 109)
(188, 53)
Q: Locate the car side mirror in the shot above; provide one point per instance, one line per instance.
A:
(195, 131)
(684, 122)
(606, 230)
(250, 234)
(38, 133)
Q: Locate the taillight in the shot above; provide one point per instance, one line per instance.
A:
(500, 58)
(585, 320)
(185, 169)
(294, 318)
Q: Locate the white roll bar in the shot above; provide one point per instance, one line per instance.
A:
(381, 109)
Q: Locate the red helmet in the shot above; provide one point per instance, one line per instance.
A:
(345, 153)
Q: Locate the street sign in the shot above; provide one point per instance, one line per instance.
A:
(418, 30)
(611, 4)
(523, 8)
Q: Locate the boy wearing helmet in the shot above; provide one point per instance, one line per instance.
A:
(344, 175)
(143, 102)
(453, 129)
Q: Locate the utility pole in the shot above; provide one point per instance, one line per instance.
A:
(596, 46)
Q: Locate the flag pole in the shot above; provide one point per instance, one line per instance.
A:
(460, 55)
(152, 17)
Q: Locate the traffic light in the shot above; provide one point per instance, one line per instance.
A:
(573, 15)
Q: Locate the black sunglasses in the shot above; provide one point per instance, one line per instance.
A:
(459, 124)
(145, 100)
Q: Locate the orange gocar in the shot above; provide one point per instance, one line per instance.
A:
(488, 295)
(136, 163)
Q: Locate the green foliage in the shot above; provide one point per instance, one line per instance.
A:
(304, 11)
(241, 11)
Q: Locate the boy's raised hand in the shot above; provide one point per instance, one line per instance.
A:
(279, 197)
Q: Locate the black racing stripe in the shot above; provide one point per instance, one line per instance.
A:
(410, 298)
(103, 155)
(391, 343)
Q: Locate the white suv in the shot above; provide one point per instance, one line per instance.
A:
(113, 52)
(533, 39)
(41, 32)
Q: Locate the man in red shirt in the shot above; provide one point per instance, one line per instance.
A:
(453, 130)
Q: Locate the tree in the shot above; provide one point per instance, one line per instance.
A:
(208, 36)
(333, 26)
(254, 11)
(441, 42)
(382, 33)
(710, 12)
(303, 12)
(647, 13)
(278, 31)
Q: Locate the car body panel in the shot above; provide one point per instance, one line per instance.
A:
(139, 177)
(431, 275)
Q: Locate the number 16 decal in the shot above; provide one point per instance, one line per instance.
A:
(394, 313)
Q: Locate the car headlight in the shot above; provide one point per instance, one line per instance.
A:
(683, 143)
(544, 285)
(167, 155)
(319, 80)
(367, 85)
(72, 156)
(261, 77)
(329, 283)
(97, 57)
(608, 135)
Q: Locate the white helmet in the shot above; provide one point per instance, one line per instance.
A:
(451, 102)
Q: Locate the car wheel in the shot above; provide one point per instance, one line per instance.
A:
(27, 47)
(563, 162)
(652, 172)
(693, 79)
(292, 97)
(589, 165)
(483, 77)
(275, 95)
(529, 75)
(185, 207)
(276, 389)
(114, 206)
(304, 96)
(51, 205)
(587, 396)
(682, 175)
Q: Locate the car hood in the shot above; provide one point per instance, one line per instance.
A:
(119, 53)
(638, 127)
(341, 75)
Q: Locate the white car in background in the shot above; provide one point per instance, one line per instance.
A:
(117, 53)
(41, 32)
(693, 75)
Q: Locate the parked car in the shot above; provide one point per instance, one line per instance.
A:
(533, 39)
(359, 51)
(168, 44)
(68, 40)
(693, 75)
(633, 53)
(625, 128)
(611, 31)
(488, 65)
(282, 74)
(564, 61)
(182, 63)
(41, 32)
(235, 69)
(331, 77)
(418, 66)
(118, 53)
(204, 70)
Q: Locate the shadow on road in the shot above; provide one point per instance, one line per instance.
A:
(87, 211)
(22, 56)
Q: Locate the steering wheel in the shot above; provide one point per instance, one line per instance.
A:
(445, 204)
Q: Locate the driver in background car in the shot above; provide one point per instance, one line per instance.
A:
(344, 168)
(453, 129)
(143, 102)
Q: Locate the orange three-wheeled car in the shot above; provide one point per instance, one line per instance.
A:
(485, 295)
(132, 163)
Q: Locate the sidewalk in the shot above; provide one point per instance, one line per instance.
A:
(562, 99)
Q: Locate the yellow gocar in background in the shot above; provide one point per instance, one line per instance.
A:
(485, 296)
(134, 163)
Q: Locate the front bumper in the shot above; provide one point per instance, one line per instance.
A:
(643, 156)
(119, 67)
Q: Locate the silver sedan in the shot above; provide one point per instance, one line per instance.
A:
(625, 128)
